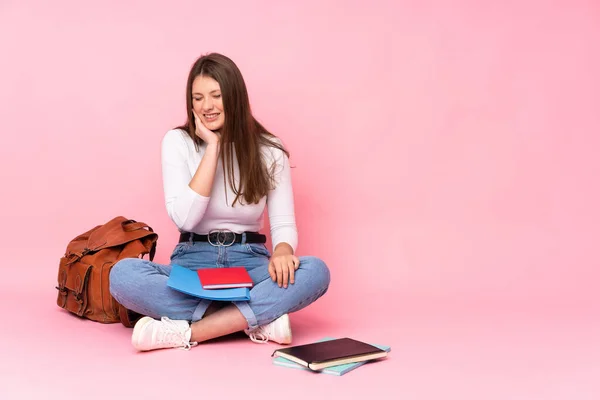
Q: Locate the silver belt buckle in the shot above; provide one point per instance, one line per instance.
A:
(222, 237)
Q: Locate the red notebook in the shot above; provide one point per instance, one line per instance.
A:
(224, 278)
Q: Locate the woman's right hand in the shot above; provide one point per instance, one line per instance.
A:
(203, 132)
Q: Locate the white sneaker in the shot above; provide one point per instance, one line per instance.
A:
(279, 331)
(152, 334)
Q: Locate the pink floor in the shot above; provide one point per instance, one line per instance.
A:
(448, 351)
(446, 168)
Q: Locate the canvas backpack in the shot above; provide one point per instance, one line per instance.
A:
(83, 273)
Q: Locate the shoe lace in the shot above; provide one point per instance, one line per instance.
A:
(260, 335)
(173, 334)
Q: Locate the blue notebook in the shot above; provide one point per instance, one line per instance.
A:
(338, 370)
(187, 281)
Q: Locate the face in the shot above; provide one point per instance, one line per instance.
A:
(207, 102)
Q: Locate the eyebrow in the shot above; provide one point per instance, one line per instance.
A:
(196, 93)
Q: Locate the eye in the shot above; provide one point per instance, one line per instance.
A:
(197, 98)
(217, 96)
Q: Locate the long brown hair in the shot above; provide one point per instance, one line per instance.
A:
(240, 129)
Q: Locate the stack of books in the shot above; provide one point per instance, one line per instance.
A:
(220, 284)
(329, 355)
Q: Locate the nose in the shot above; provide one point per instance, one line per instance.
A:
(207, 105)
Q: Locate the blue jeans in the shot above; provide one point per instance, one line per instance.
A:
(141, 285)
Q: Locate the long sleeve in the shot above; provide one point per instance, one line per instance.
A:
(184, 206)
(280, 203)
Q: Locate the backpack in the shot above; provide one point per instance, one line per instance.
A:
(83, 272)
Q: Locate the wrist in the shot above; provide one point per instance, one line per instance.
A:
(213, 144)
(283, 249)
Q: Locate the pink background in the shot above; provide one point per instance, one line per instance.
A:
(446, 170)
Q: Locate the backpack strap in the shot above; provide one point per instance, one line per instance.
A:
(131, 225)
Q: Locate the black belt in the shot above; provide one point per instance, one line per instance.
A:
(223, 238)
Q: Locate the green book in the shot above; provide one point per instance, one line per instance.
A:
(337, 370)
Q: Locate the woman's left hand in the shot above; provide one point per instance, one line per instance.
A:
(282, 266)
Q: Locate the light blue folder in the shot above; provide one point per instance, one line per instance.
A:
(187, 281)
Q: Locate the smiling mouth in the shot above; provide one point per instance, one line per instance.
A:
(211, 117)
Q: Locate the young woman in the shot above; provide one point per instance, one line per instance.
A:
(221, 170)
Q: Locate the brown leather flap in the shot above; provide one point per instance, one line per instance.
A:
(118, 232)
(74, 276)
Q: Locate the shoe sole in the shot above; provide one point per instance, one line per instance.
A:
(139, 327)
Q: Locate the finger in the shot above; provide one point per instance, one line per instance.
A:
(279, 273)
(199, 124)
(292, 270)
(272, 273)
(285, 272)
(296, 262)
